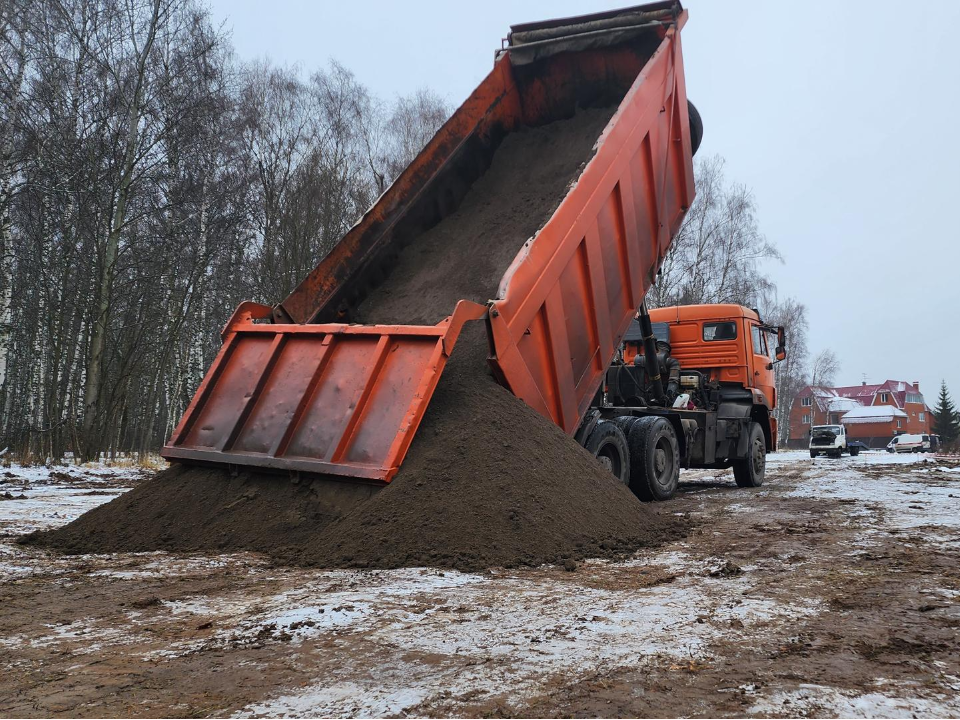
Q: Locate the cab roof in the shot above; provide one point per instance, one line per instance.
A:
(687, 313)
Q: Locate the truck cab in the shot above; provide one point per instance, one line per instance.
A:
(732, 347)
(710, 394)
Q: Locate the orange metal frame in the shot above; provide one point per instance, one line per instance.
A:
(337, 399)
(570, 295)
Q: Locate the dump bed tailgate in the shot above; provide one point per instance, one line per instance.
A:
(336, 399)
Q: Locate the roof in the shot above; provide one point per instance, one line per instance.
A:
(827, 398)
(842, 404)
(873, 414)
(864, 394)
(685, 313)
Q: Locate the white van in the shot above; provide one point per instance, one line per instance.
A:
(905, 443)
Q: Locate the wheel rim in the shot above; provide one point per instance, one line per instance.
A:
(610, 458)
(663, 462)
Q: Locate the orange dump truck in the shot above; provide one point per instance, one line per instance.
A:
(708, 401)
(299, 387)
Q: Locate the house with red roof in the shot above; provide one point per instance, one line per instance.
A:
(872, 414)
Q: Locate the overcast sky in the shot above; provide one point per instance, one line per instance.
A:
(842, 117)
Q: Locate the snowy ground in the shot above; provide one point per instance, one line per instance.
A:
(830, 591)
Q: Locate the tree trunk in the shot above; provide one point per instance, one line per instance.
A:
(93, 431)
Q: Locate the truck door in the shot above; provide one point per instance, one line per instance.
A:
(763, 378)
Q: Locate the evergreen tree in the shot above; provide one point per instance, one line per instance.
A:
(946, 418)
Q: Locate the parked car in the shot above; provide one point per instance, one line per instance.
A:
(905, 443)
(831, 440)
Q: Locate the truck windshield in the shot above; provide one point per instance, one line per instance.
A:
(835, 429)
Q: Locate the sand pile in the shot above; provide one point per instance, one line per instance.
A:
(487, 481)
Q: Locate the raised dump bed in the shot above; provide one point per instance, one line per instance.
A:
(314, 391)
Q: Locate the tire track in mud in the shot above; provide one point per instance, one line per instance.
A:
(884, 637)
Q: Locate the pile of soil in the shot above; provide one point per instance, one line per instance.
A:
(467, 253)
(490, 482)
(487, 481)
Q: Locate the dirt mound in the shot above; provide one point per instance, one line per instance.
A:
(191, 509)
(467, 253)
(487, 481)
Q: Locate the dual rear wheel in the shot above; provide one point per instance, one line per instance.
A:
(644, 454)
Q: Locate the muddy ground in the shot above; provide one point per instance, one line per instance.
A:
(832, 590)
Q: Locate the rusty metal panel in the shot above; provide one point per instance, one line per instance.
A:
(570, 295)
(336, 399)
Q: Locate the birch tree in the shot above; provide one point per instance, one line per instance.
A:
(718, 253)
(14, 20)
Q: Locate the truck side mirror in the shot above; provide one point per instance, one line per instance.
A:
(781, 344)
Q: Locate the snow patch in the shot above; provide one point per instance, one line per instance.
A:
(822, 701)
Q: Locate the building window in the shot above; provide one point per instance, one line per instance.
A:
(923, 416)
(899, 424)
(806, 419)
(807, 401)
(914, 398)
(884, 397)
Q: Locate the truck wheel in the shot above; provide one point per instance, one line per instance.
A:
(608, 444)
(854, 451)
(813, 453)
(749, 471)
(625, 422)
(655, 457)
(696, 127)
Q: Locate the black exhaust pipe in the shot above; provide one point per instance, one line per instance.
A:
(651, 361)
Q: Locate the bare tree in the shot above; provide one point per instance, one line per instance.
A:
(14, 59)
(148, 184)
(716, 255)
(790, 374)
(824, 369)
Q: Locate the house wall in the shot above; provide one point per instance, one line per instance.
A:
(876, 434)
(799, 430)
(913, 422)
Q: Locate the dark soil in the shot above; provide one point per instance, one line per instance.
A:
(191, 509)
(490, 482)
(467, 253)
(487, 481)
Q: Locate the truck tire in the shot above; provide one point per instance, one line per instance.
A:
(749, 471)
(696, 128)
(625, 422)
(608, 444)
(854, 451)
(654, 458)
(813, 453)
